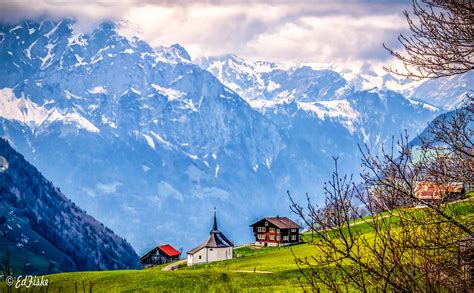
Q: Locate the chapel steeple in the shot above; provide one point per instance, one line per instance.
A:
(214, 226)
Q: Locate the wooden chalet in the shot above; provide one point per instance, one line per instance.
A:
(276, 231)
(160, 255)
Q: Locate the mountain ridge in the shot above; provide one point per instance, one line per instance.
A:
(173, 141)
(251, 83)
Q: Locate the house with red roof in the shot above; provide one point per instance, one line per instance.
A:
(160, 255)
(276, 231)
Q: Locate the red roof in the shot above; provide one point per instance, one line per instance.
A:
(169, 250)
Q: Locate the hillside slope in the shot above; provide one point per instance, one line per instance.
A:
(276, 269)
(40, 225)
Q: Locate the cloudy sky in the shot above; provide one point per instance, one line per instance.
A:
(289, 32)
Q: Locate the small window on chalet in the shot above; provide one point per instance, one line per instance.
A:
(199, 257)
(210, 249)
(261, 229)
(293, 237)
(293, 230)
(272, 237)
(278, 230)
(261, 236)
(285, 238)
(266, 223)
(272, 230)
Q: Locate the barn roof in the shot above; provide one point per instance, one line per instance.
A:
(169, 250)
(280, 222)
(216, 239)
(166, 249)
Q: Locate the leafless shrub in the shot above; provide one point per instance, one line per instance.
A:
(441, 41)
(409, 241)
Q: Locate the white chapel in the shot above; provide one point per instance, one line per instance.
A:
(217, 247)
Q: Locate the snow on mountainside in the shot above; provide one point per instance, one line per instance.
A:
(445, 93)
(308, 84)
(322, 93)
(267, 81)
(243, 77)
(171, 140)
(35, 116)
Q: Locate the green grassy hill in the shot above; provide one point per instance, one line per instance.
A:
(275, 268)
(281, 273)
(276, 271)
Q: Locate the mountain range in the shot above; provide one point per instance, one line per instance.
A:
(269, 81)
(148, 140)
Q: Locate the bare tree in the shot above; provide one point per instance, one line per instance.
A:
(440, 233)
(407, 242)
(415, 238)
(441, 41)
(345, 258)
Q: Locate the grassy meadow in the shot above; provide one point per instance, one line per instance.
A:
(276, 271)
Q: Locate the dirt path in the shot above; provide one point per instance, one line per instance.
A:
(174, 266)
(253, 272)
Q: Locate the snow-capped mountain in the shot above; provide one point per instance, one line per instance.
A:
(445, 93)
(263, 80)
(148, 142)
(448, 92)
(321, 94)
(268, 81)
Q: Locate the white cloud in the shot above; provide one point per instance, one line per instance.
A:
(329, 39)
(108, 188)
(282, 31)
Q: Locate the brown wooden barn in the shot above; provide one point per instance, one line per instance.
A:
(276, 231)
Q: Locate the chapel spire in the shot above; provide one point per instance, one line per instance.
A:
(214, 226)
